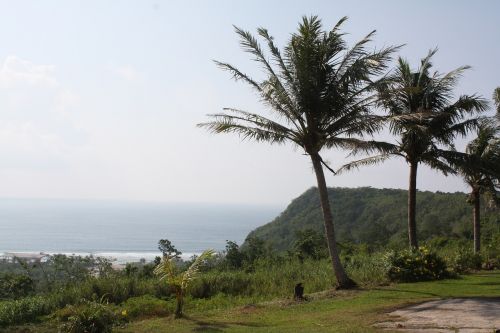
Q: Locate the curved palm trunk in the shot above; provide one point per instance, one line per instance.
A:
(412, 206)
(477, 220)
(343, 280)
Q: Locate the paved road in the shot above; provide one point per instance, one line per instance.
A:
(458, 315)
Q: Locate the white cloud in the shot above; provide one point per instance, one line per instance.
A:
(38, 128)
(15, 70)
(65, 100)
(127, 73)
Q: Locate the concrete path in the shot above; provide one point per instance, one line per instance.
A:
(458, 315)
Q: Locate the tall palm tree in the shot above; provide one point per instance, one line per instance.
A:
(433, 120)
(480, 169)
(318, 92)
(496, 100)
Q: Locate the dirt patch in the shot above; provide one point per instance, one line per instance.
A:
(458, 315)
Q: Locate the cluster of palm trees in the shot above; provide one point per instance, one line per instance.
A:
(322, 94)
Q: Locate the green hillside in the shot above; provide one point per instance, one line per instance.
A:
(376, 216)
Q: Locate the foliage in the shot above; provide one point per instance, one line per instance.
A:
(377, 217)
(26, 309)
(168, 249)
(310, 244)
(90, 317)
(168, 271)
(464, 260)
(416, 265)
(233, 256)
(145, 306)
(254, 249)
(15, 285)
(368, 269)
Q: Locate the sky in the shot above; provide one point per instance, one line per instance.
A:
(100, 99)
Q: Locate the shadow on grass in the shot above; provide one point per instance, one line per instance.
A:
(408, 291)
(212, 326)
(483, 284)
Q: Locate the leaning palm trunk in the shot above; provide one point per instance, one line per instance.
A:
(343, 280)
(476, 198)
(412, 206)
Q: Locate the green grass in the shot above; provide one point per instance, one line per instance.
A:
(353, 311)
(342, 311)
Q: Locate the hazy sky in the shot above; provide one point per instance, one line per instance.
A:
(99, 99)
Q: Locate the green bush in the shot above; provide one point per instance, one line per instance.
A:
(24, 310)
(415, 265)
(464, 260)
(91, 317)
(15, 285)
(145, 306)
(367, 269)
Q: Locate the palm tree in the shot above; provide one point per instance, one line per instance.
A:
(496, 100)
(480, 169)
(318, 92)
(424, 118)
(167, 270)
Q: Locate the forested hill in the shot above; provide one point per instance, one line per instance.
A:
(375, 216)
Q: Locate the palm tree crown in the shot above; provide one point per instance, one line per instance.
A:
(425, 119)
(319, 89)
(480, 169)
(320, 93)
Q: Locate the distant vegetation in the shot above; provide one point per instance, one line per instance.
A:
(378, 218)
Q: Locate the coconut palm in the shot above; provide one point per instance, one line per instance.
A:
(168, 271)
(433, 121)
(318, 92)
(496, 100)
(481, 170)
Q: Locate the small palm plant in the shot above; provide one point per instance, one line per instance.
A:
(168, 270)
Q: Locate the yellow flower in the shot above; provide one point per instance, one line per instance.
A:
(124, 313)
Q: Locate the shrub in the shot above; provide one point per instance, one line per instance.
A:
(417, 265)
(91, 317)
(367, 269)
(24, 310)
(15, 285)
(464, 260)
(145, 306)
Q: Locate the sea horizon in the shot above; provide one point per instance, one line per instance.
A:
(124, 230)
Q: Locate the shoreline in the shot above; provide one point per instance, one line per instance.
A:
(116, 257)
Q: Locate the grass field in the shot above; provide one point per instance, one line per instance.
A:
(329, 311)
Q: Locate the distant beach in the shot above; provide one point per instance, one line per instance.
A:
(123, 231)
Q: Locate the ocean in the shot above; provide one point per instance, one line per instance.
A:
(124, 231)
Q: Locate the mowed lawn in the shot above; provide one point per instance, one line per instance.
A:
(349, 311)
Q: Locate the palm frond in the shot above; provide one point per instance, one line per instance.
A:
(368, 161)
(192, 272)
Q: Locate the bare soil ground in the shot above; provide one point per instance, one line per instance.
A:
(457, 315)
